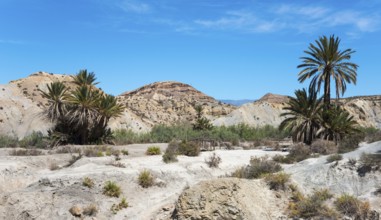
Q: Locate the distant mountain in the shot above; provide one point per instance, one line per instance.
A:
(236, 102)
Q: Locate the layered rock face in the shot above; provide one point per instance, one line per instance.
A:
(172, 102)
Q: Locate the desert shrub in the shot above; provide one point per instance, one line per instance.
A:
(146, 179)
(371, 134)
(153, 150)
(76, 211)
(88, 182)
(258, 166)
(67, 150)
(53, 166)
(277, 181)
(372, 160)
(351, 206)
(125, 152)
(90, 210)
(8, 141)
(170, 154)
(312, 206)
(282, 159)
(324, 147)
(111, 189)
(334, 157)
(213, 161)
(191, 149)
(352, 161)
(35, 139)
(123, 137)
(73, 160)
(117, 164)
(115, 208)
(26, 152)
(299, 152)
(350, 142)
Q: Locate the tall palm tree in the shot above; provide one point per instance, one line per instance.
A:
(57, 100)
(303, 115)
(325, 60)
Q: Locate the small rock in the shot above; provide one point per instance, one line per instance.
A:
(76, 211)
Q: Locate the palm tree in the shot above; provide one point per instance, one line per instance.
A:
(338, 124)
(57, 100)
(303, 115)
(326, 60)
(84, 78)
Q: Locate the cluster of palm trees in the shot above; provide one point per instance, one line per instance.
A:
(310, 117)
(81, 114)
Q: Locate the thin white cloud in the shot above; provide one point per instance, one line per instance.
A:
(135, 6)
(11, 42)
(304, 19)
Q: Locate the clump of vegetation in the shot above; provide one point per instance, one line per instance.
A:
(187, 148)
(125, 152)
(372, 134)
(213, 161)
(312, 206)
(146, 179)
(350, 142)
(297, 153)
(25, 152)
(35, 139)
(153, 150)
(115, 208)
(368, 163)
(117, 164)
(170, 154)
(53, 166)
(334, 157)
(277, 181)
(88, 182)
(324, 147)
(351, 206)
(201, 123)
(111, 189)
(81, 115)
(258, 167)
(8, 141)
(90, 210)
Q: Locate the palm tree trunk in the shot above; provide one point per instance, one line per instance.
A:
(327, 91)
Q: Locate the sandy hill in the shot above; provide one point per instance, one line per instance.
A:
(171, 102)
(365, 109)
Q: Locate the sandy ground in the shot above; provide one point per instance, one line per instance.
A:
(29, 188)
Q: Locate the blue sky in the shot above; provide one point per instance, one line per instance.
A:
(227, 49)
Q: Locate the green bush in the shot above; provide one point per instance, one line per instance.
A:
(351, 206)
(35, 139)
(312, 206)
(350, 142)
(153, 150)
(146, 179)
(111, 189)
(277, 181)
(8, 141)
(334, 157)
(125, 152)
(258, 167)
(170, 154)
(190, 149)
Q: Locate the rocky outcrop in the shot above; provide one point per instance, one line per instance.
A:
(229, 198)
(265, 111)
(172, 102)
